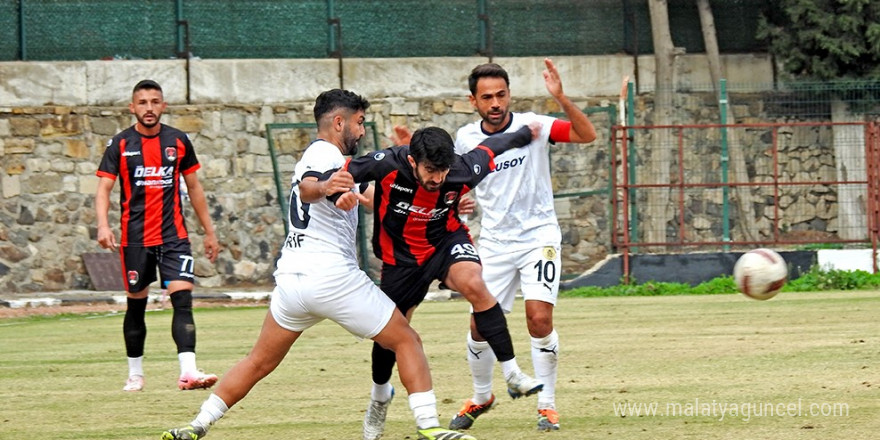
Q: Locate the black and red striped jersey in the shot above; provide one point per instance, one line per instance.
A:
(149, 168)
(409, 221)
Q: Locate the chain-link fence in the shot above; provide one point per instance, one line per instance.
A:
(52, 30)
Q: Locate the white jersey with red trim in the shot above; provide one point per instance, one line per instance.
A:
(517, 197)
(318, 231)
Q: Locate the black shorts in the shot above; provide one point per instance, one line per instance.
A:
(408, 285)
(174, 261)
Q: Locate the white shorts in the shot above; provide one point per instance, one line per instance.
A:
(350, 298)
(534, 271)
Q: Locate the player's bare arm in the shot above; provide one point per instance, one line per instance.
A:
(102, 207)
(341, 182)
(582, 130)
(466, 206)
(200, 206)
(402, 135)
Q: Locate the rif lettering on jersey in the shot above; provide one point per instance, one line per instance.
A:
(294, 240)
(426, 214)
(142, 171)
(510, 163)
(401, 188)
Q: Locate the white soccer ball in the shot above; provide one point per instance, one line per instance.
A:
(760, 273)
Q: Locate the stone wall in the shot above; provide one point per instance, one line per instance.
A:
(55, 119)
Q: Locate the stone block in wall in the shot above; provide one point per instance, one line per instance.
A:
(64, 125)
(14, 165)
(30, 83)
(70, 184)
(76, 148)
(104, 126)
(24, 127)
(61, 165)
(438, 107)
(11, 186)
(216, 168)
(400, 106)
(88, 184)
(188, 123)
(43, 183)
(462, 106)
(232, 121)
(5, 129)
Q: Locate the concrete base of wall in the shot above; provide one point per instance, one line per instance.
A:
(693, 269)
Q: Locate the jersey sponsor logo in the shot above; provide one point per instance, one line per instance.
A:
(171, 153)
(450, 197)
(129, 153)
(151, 183)
(426, 214)
(165, 173)
(510, 163)
(379, 156)
(401, 188)
(142, 171)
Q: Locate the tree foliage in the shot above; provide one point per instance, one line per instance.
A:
(824, 39)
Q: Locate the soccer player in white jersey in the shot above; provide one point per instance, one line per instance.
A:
(318, 277)
(519, 237)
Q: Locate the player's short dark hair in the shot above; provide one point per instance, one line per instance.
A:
(488, 70)
(332, 99)
(146, 84)
(434, 146)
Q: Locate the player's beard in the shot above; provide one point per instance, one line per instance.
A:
(495, 119)
(141, 121)
(349, 141)
(424, 183)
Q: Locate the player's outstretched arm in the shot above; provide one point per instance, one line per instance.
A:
(402, 135)
(582, 130)
(500, 143)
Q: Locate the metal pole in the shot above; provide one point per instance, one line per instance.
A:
(334, 38)
(180, 40)
(725, 161)
(22, 35)
(485, 30)
(631, 160)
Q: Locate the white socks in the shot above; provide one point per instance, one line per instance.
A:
(545, 357)
(187, 362)
(212, 410)
(481, 359)
(381, 393)
(136, 366)
(424, 408)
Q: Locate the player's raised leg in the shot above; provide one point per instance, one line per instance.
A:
(415, 375)
(488, 323)
(272, 345)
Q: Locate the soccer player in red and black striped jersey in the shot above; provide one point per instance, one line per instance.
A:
(149, 158)
(420, 238)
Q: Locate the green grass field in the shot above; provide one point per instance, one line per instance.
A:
(802, 365)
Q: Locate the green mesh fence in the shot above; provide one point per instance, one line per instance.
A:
(101, 29)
